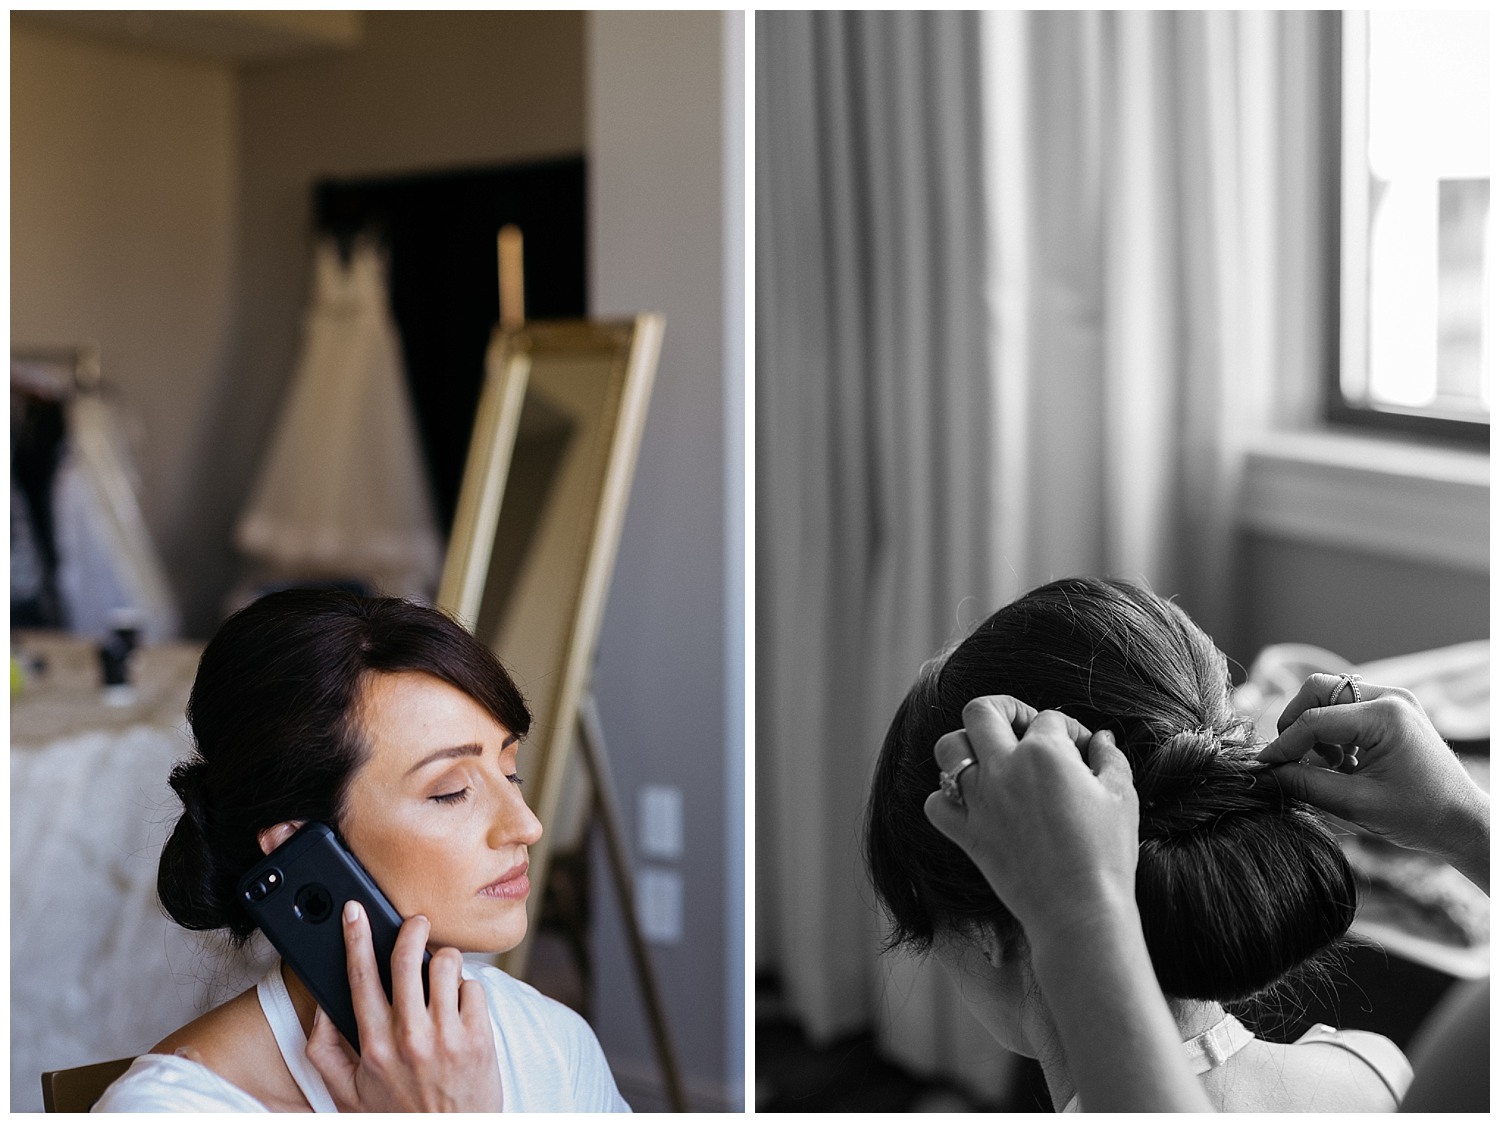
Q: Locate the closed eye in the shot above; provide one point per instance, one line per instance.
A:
(515, 779)
(452, 797)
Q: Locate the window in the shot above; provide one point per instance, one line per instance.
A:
(1416, 330)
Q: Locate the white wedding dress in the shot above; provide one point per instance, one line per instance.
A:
(343, 491)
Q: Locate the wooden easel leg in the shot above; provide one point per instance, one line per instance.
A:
(592, 738)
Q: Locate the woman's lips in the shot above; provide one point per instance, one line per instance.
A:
(514, 886)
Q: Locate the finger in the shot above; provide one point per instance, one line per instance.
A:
(952, 749)
(1110, 764)
(947, 816)
(332, 1057)
(1055, 723)
(1326, 725)
(444, 974)
(474, 1011)
(1317, 786)
(371, 1011)
(1315, 692)
(406, 967)
(1311, 694)
(994, 722)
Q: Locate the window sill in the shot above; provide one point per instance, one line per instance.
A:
(1381, 496)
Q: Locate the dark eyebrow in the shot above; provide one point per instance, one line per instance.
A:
(457, 751)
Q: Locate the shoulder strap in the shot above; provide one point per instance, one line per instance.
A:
(1395, 1080)
(276, 1003)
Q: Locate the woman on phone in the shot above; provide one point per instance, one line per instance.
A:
(389, 723)
(1238, 887)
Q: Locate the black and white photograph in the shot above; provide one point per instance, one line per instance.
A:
(1121, 425)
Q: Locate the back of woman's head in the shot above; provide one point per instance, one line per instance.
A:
(1236, 884)
(274, 714)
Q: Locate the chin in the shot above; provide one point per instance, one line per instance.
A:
(491, 936)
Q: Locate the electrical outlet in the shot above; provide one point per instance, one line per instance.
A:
(658, 905)
(660, 821)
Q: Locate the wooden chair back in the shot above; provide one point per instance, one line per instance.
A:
(78, 1089)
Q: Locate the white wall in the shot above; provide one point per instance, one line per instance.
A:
(666, 212)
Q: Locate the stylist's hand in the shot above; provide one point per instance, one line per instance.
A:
(1056, 838)
(415, 1055)
(1408, 786)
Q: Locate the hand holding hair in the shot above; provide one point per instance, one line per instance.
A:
(1408, 786)
(417, 1054)
(1054, 836)
(1056, 839)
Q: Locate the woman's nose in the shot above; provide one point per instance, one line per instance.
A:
(515, 822)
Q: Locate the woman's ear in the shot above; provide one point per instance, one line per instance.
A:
(272, 837)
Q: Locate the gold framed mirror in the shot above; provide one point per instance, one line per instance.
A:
(537, 526)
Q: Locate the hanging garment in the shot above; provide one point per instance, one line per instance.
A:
(343, 492)
(107, 560)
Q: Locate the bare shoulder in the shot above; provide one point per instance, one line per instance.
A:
(235, 1041)
(1365, 1071)
(222, 1031)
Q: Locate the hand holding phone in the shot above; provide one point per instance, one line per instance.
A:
(437, 1055)
(296, 896)
(428, 1040)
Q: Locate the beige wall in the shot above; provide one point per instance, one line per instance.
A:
(123, 195)
(666, 207)
(161, 206)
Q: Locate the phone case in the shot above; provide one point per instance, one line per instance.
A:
(297, 895)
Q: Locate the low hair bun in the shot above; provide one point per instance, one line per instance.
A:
(274, 713)
(193, 890)
(1169, 782)
(1237, 885)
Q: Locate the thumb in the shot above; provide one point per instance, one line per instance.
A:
(332, 1057)
(945, 815)
(1109, 763)
(1318, 786)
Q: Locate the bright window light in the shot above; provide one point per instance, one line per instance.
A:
(1416, 241)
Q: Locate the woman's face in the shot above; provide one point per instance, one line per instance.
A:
(435, 813)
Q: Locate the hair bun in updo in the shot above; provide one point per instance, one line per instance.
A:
(192, 888)
(1236, 884)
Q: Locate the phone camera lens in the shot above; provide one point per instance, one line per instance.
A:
(263, 886)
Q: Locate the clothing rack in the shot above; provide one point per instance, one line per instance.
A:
(69, 440)
(36, 370)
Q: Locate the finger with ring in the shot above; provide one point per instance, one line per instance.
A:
(948, 781)
(1350, 681)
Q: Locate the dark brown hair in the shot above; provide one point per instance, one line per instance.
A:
(274, 713)
(1236, 884)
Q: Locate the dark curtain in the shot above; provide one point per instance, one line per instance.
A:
(439, 231)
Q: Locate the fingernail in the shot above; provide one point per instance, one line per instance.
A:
(182, 1051)
(351, 911)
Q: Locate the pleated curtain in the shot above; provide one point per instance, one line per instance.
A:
(1017, 317)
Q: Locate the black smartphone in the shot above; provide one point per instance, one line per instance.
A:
(296, 896)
